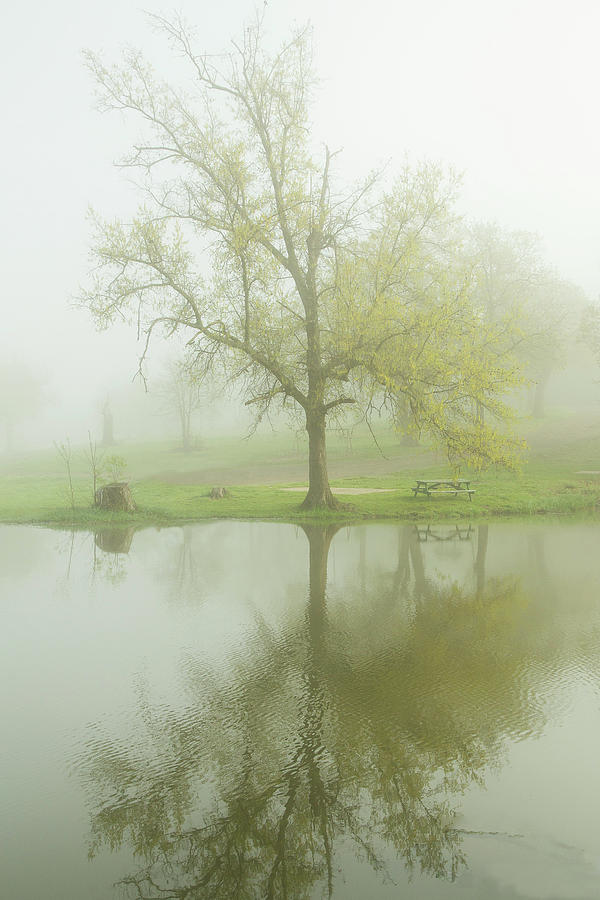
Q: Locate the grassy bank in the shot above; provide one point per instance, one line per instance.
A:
(172, 487)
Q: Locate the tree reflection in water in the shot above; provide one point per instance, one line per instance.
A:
(356, 730)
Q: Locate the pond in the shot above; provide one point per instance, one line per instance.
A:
(257, 710)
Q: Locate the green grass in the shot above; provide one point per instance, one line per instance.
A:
(172, 487)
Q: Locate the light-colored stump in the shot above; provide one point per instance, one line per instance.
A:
(218, 493)
(116, 496)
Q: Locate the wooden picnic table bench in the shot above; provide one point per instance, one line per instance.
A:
(430, 486)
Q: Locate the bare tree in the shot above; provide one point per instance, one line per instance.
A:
(181, 395)
(65, 451)
(512, 278)
(95, 460)
(21, 397)
(108, 437)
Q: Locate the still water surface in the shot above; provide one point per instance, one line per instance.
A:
(234, 710)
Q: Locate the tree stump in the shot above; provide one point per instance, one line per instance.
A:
(116, 496)
(218, 493)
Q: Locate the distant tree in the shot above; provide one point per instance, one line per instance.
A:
(512, 279)
(550, 323)
(95, 460)
(108, 436)
(589, 329)
(21, 397)
(65, 451)
(181, 395)
(315, 296)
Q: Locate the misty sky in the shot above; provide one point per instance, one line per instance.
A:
(506, 92)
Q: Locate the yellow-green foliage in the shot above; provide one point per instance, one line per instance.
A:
(331, 298)
(404, 313)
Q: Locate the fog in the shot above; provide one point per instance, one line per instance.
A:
(504, 92)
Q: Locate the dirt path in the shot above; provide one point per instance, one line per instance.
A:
(348, 490)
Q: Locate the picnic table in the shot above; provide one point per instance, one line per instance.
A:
(430, 486)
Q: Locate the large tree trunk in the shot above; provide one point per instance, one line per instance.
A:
(319, 493)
